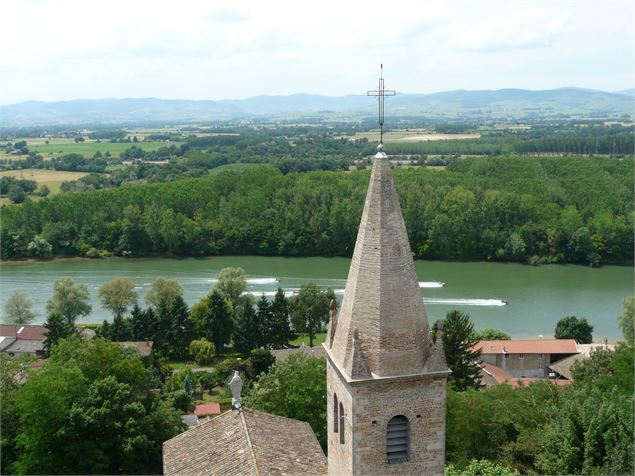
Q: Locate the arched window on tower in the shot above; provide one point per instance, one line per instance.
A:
(342, 427)
(335, 415)
(397, 440)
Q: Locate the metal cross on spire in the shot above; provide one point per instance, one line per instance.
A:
(380, 93)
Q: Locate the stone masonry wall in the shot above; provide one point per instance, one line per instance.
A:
(422, 401)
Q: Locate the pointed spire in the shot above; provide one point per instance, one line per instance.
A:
(359, 369)
(382, 298)
(437, 361)
(333, 321)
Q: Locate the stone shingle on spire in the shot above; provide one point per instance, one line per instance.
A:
(382, 298)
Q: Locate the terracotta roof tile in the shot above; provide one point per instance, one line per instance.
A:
(23, 332)
(210, 408)
(496, 372)
(530, 346)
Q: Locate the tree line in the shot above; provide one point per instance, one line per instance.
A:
(548, 209)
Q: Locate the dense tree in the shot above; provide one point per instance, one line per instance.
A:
(280, 329)
(627, 320)
(202, 350)
(490, 334)
(16, 194)
(572, 327)
(231, 283)
(535, 209)
(181, 328)
(247, 331)
(143, 323)
(481, 467)
(310, 309)
(261, 360)
(69, 299)
(265, 322)
(163, 289)
(92, 398)
(592, 433)
(57, 327)
(458, 342)
(38, 247)
(295, 388)
(511, 418)
(217, 323)
(13, 373)
(118, 295)
(120, 330)
(18, 309)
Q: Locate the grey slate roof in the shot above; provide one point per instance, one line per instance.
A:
(246, 442)
(23, 346)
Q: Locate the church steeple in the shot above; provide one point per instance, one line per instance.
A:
(382, 298)
(386, 382)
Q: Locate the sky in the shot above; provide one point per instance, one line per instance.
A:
(229, 49)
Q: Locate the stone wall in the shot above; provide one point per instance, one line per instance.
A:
(421, 399)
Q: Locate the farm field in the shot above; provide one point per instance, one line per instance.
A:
(413, 135)
(51, 178)
(88, 148)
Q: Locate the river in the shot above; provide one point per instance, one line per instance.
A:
(537, 296)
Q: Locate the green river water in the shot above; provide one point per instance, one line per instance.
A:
(537, 296)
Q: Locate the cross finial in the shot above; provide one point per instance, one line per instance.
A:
(380, 93)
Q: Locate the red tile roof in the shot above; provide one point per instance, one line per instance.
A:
(501, 376)
(211, 408)
(496, 372)
(23, 332)
(530, 346)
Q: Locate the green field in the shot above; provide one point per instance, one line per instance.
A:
(412, 135)
(51, 178)
(88, 148)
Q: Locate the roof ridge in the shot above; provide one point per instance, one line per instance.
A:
(249, 444)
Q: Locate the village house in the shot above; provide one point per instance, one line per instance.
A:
(17, 339)
(526, 358)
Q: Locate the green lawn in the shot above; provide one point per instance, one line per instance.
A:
(88, 148)
(304, 338)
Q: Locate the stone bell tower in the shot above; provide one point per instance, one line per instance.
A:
(386, 379)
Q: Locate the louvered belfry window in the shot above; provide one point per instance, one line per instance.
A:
(397, 440)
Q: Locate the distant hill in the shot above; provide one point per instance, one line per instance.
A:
(519, 103)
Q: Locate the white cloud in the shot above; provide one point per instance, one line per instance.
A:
(224, 49)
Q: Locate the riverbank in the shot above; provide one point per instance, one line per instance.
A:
(62, 259)
(538, 296)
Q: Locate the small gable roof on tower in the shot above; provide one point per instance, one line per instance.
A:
(382, 298)
(245, 442)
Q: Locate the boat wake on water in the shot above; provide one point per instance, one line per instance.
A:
(466, 302)
(431, 284)
(262, 280)
(289, 292)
